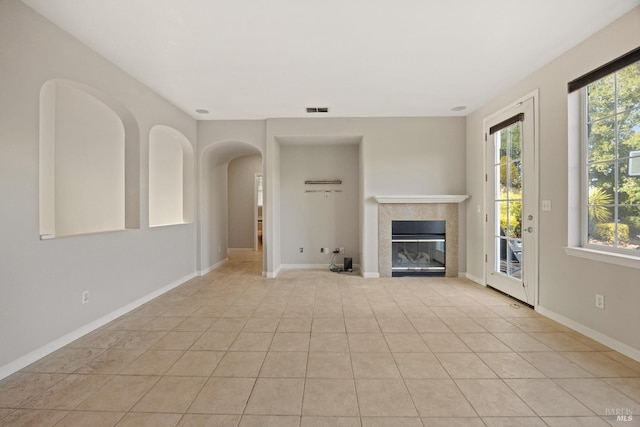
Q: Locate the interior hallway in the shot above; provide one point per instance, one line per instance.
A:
(315, 348)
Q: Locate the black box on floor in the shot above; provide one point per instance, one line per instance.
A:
(348, 264)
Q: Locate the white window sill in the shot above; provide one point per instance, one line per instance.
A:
(603, 256)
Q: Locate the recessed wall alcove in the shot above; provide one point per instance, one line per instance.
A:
(171, 177)
(89, 162)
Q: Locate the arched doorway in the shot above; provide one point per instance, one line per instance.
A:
(214, 200)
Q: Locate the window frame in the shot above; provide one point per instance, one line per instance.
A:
(584, 178)
(578, 170)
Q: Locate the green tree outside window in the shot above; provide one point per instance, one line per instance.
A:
(613, 137)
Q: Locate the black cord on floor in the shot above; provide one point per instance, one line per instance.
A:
(334, 268)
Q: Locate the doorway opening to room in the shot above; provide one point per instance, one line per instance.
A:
(228, 207)
(244, 202)
(511, 206)
(257, 215)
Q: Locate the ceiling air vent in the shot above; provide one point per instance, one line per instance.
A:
(317, 109)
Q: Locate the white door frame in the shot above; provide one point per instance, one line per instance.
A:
(535, 197)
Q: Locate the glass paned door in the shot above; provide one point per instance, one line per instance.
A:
(510, 202)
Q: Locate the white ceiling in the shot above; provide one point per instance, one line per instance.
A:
(256, 59)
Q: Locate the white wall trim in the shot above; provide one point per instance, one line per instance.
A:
(440, 198)
(314, 266)
(306, 266)
(623, 260)
(473, 278)
(371, 275)
(212, 267)
(273, 274)
(49, 348)
(595, 335)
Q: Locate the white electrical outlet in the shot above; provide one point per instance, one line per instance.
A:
(85, 297)
(546, 205)
(340, 250)
(301, 250)
(600, 301)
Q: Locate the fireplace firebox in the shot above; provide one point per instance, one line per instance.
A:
(418, 248)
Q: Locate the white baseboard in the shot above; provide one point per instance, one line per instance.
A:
(311, 267)
(618, 346)
(273, 274)
(240, 249)
(212, 267)
(57, 344)
(473, 278)
(371, 275)
(305, 266)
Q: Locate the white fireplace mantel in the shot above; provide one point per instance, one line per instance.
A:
(438, 198)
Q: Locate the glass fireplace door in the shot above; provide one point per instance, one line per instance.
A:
(418, 256)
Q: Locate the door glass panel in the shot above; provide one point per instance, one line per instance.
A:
(502, 146)
(514, 183)
(514, 225)
(508, 201)
(514, 141)
(501, 171)
(501, 226)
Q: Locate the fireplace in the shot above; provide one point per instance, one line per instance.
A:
(418, 248)
(438, 208)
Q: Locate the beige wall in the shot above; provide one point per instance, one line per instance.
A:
(567, 285)
(311, 220)
(41, 282)
(242, 204)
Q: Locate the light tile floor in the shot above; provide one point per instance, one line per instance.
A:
(314, 348)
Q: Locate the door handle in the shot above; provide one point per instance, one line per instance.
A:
(530, 229)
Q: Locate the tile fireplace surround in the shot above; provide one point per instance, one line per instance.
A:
(436, 207)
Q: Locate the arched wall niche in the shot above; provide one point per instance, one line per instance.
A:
(171, 177)
(89, 162)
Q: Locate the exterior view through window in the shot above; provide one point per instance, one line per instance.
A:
(612, 155)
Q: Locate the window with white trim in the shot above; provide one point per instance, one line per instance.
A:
(611, 156)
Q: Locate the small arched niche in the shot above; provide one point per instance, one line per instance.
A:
(171, 177)
(88, 162)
